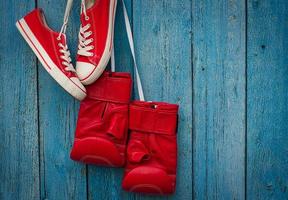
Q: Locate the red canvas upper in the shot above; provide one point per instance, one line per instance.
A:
(48, 38)
(98, 18)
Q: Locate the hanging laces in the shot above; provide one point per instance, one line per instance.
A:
(66, 17)
(85, 45)
(83, 9)
(131, 44)
(63, 47)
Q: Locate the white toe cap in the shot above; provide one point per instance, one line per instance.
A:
(85, 71)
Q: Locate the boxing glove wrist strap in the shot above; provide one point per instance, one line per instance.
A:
(106, 87)
(160, 118)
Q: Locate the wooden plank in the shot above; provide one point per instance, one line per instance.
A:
(19, 170)
(219, 99)
(61, 178)
(162, 32)
(121, 45)
(105, 183)
(267, 121)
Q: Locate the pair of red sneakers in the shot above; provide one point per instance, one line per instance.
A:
(94, 49)
(106, 115)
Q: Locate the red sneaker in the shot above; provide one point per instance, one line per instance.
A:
(51, 49)
(95, 39)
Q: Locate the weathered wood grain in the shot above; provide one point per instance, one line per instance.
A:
(122, 49)
(191, 52)
(162, 32)
(219, 99)
(19, 164)
(61, 178)
(267, 122)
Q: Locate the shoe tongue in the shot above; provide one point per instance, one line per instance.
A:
(64, 36)
(82, 19)
(89, 3)
(88, 6)
(63, 39)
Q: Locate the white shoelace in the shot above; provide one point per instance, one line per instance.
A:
(66, 57)
(63, 47)
(85, 46)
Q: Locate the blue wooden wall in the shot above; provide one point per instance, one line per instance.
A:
(225, 62)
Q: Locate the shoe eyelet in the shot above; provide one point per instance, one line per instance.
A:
(58, 38)
(154, 106)
(92, 39)
(86, 18)
(92, 47)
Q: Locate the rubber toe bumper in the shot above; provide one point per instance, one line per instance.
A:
(87, 72)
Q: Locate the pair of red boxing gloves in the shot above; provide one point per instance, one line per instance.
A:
(139, 135)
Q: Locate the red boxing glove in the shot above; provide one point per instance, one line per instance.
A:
(152, 148)
(102, 125)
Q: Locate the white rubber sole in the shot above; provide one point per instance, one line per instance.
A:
(69, 85)
(99, 69)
